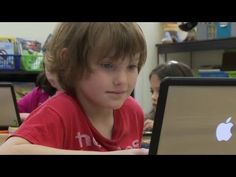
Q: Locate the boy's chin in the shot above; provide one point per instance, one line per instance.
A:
(117, 106)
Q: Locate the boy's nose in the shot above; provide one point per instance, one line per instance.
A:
(120, 78)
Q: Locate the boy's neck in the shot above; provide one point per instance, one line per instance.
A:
(104, 125)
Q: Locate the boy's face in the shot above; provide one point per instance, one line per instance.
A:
(109, 84)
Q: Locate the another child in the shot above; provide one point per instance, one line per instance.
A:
(37, 96)
(46, 86)
(171, 69)
(97, 65)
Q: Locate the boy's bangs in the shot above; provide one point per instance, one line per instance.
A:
(117, 43)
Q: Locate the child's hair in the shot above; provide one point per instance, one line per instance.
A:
(113, 40)
(172, 69)
(43, 83)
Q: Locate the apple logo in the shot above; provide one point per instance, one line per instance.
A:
(223, 130)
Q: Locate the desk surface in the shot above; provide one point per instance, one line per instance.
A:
(3, 137)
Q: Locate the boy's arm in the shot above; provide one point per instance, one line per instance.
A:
(17, 145)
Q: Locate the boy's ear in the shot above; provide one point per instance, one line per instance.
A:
(64, 54)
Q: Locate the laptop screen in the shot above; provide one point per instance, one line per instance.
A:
(9, 115)
(198, 117)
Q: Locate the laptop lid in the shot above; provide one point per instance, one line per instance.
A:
(9, 115)
(195, 116)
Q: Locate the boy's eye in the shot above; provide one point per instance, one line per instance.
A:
(107, 65)
(132, 66)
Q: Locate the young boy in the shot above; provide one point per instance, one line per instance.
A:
(97, 65)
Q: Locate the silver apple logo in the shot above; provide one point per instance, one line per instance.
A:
(223, 130)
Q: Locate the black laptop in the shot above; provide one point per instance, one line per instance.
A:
(9, 115)
(195, 116)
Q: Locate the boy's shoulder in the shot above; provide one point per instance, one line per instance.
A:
(132, 109)
(62, 102)
(131, 103)
(61, 99)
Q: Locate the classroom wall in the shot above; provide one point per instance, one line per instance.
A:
(153, 34)
(29, 30)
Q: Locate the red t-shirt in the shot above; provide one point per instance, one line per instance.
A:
(62, 123)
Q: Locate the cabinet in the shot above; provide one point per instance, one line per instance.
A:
(18, 76)
(23, 81)
(204, 45)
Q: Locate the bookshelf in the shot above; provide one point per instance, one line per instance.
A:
(191, 46)
(18, 76)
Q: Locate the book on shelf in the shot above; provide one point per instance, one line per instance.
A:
(208, 70)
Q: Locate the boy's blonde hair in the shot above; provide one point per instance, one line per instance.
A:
(79, 39)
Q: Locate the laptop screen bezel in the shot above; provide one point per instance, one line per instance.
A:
(11, 87)
(163, 93)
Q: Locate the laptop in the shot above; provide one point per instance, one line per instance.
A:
(195, 116)
(9, 115)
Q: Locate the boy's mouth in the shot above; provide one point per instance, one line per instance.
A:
(118, 92)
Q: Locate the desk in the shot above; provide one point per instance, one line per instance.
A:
(3, 137)
(4, 134)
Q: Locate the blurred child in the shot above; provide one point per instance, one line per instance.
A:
(97, 66)
(46, 86)
(171, 69)
(37, 96)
